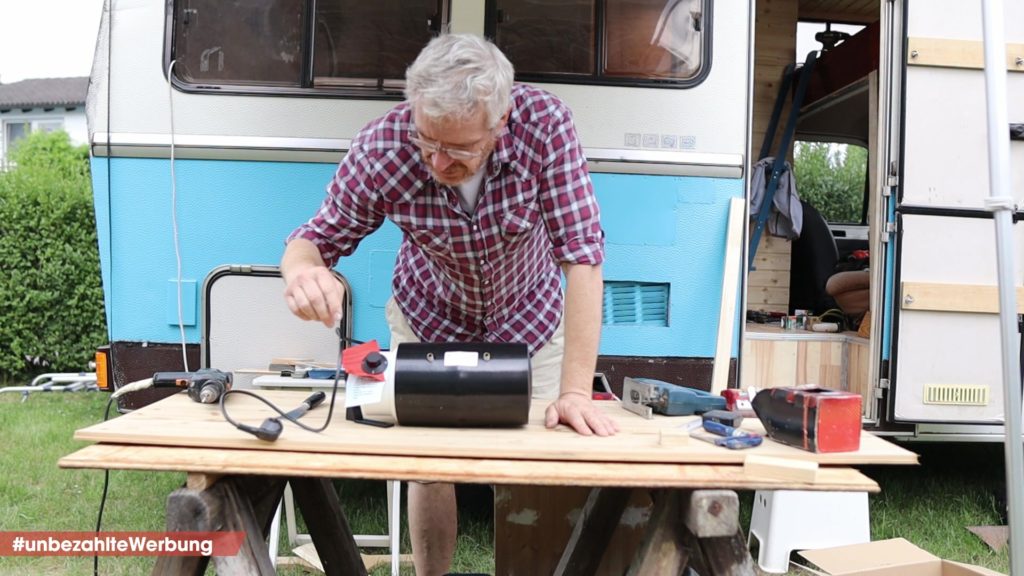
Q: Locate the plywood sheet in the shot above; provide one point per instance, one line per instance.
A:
(180, 422)
(459, 470)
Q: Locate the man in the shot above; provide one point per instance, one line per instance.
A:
(490, 188)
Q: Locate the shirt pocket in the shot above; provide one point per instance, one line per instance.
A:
(434, 241)
(519, 221)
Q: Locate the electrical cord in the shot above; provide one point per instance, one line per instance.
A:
(103, 498)
(265, 434)
(174, 217)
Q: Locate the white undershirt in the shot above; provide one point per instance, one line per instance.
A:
(469, 191)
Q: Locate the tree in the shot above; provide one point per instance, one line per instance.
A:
(832, 178)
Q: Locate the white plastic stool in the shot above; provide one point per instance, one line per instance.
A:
(788, 520)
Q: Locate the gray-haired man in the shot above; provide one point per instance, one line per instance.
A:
(489, 186)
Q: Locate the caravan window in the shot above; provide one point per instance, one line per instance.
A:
(359, 48)
(278, 46)
(661, 42)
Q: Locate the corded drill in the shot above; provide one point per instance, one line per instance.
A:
(204, 386)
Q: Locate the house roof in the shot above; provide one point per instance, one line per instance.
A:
(44, 93)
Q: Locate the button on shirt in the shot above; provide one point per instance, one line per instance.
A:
(490, 275)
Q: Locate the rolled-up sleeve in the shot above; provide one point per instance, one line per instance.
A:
(349, 213)
(570, 208)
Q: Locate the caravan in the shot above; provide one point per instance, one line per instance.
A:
(215, 125)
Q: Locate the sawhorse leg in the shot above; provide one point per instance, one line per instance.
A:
(687, 528)
(236, 503)
(247, 504)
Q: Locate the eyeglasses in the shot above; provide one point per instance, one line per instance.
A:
(433, 147)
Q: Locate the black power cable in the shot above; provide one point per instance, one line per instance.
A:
(103, 498)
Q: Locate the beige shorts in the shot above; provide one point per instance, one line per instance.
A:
(545, 366)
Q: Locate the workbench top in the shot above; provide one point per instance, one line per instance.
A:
(178, 422)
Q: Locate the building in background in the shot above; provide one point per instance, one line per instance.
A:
(46, 104)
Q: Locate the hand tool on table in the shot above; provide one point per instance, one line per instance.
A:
(646, 396)
(727, 436)
(727, 417)
(204, 386)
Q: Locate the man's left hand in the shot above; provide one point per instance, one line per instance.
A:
(577, 410)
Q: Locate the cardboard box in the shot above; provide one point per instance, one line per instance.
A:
(896, 557)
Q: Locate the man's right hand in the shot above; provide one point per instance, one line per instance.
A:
(315, 294)
(311, 290)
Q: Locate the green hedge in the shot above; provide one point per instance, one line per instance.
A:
(51, 296)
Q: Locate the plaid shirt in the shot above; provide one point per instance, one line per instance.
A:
(492, 275)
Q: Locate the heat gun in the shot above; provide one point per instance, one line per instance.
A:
(204, 386)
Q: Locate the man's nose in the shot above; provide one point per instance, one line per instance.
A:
(440, 160)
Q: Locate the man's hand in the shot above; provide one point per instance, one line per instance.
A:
(577, 410)
(311, 290)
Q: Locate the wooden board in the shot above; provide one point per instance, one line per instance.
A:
(776, 357)
(953, 53)
(459, 470)
(178, 421)
(533, 524)
(982, 299)
(730, 286)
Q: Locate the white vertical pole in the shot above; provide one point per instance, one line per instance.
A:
(1000, 202)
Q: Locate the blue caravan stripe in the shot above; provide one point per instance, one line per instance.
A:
(668, 229)
(100, 198)
(664, 229)
(228, 213)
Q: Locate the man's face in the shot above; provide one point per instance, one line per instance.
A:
(454, 149)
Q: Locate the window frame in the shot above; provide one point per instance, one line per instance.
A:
(33, 123)
(384, 91)
(395, 91)
(597, 79)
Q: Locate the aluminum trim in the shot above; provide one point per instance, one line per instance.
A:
(128, 144)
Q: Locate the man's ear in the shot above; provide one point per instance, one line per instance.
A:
(503, 120)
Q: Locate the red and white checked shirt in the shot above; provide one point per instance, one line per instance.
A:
(492, 275)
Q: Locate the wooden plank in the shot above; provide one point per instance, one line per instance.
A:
(532, 525)
(712, 513)
(950, 53)
(180, 422)
(771, 261)
(662, 551)
(230, 505)
(730, 292)
(478, 471)
(769, 363)
(859, 370)
(335, 547)
(728, 555)
(937, 297)
(593, 531)
(200, 482)
(769, 279)
(782, 468)
(774, 48)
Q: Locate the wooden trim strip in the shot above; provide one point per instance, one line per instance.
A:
(948, 53)
(477, 471)
(973, 298)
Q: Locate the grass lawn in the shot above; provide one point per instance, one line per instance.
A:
(929, 505)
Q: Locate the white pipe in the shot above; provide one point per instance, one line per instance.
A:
(1000, 202)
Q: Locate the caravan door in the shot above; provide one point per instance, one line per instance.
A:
(946, 365)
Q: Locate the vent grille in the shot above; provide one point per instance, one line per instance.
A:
(956, 394)
(635, 303)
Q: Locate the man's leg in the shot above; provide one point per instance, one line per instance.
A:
(546, 366)
(433, 527)
(433, 518)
